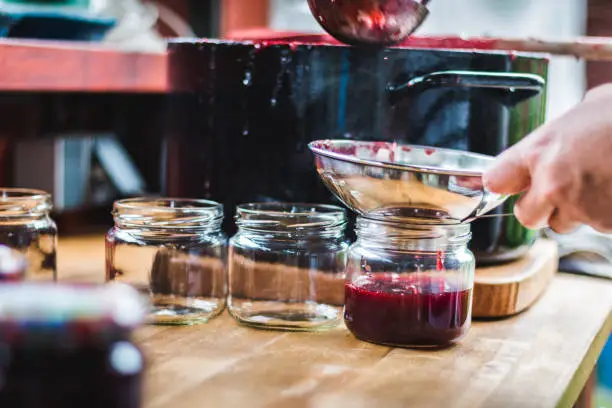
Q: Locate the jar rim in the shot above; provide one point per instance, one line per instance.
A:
(155, 204)
(22, 194)
(24, 202)
(289, 209)
(290, 218)
(457, 229)
(168, 213)
(116, 306)
(408, 235)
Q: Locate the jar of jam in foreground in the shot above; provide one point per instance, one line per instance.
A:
(69, 346)
(409, 285)
(173, 251)
(26, 226)
(286, 266)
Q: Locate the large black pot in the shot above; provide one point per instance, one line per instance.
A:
(242, 114)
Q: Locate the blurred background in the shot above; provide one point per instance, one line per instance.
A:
(95, 137)
(517, 18)
(102, 133)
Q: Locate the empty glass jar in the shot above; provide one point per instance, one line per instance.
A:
(409, 285)
(26, 226)
(286, 266)
(174, 251)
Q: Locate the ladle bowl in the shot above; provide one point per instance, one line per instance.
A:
(369, 22)
(406, 183)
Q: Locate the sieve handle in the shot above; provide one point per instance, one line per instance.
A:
(493, 216)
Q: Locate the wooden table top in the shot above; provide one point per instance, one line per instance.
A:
(540, 358)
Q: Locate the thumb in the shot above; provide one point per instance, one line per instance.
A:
(509, 173)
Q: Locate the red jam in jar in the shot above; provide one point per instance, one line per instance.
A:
(409, 284)
(406, 310)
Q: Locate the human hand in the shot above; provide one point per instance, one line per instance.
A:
(564, 168)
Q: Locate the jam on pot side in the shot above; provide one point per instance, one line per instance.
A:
(406, 311)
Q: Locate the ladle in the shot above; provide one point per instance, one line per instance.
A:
(369, 22)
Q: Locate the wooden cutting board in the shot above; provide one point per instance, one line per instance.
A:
(505, 290)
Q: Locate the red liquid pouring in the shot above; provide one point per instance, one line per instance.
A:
(418, 310)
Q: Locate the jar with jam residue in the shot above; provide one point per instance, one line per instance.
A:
(26, 226)
(172, 250)
(409, 285)
(286, 266)
(70, 346)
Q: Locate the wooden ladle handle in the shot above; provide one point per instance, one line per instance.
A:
(588, 48)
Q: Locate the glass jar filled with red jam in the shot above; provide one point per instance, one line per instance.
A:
(70, 346)
(173, 251)
(286, 266)
(409, 285)
(26, 226)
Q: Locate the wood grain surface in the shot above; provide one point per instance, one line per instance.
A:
(507, 289)
(80, 67)
(539, 358)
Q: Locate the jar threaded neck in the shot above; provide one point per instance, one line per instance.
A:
(414, 236)
(291, 220)
(24, 203)
(168, 214)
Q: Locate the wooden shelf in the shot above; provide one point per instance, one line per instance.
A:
(41, 66)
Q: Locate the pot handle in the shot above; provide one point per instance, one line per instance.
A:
(509, 88)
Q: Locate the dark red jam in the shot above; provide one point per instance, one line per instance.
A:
(68, 377)
(69, 346)
(411, 310)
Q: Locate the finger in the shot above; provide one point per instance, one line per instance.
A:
(510, 172)
(602, 228)
(562, 223)
(533, 211)
(599, 92)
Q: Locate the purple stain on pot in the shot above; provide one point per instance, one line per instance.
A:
(266, 38)
(357, 150)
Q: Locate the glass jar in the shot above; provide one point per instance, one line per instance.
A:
(26, 226)
(172, 250)
(69, 346)
(409, 284)
(286, 266)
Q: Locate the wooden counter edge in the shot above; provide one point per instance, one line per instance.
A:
(586, 367)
